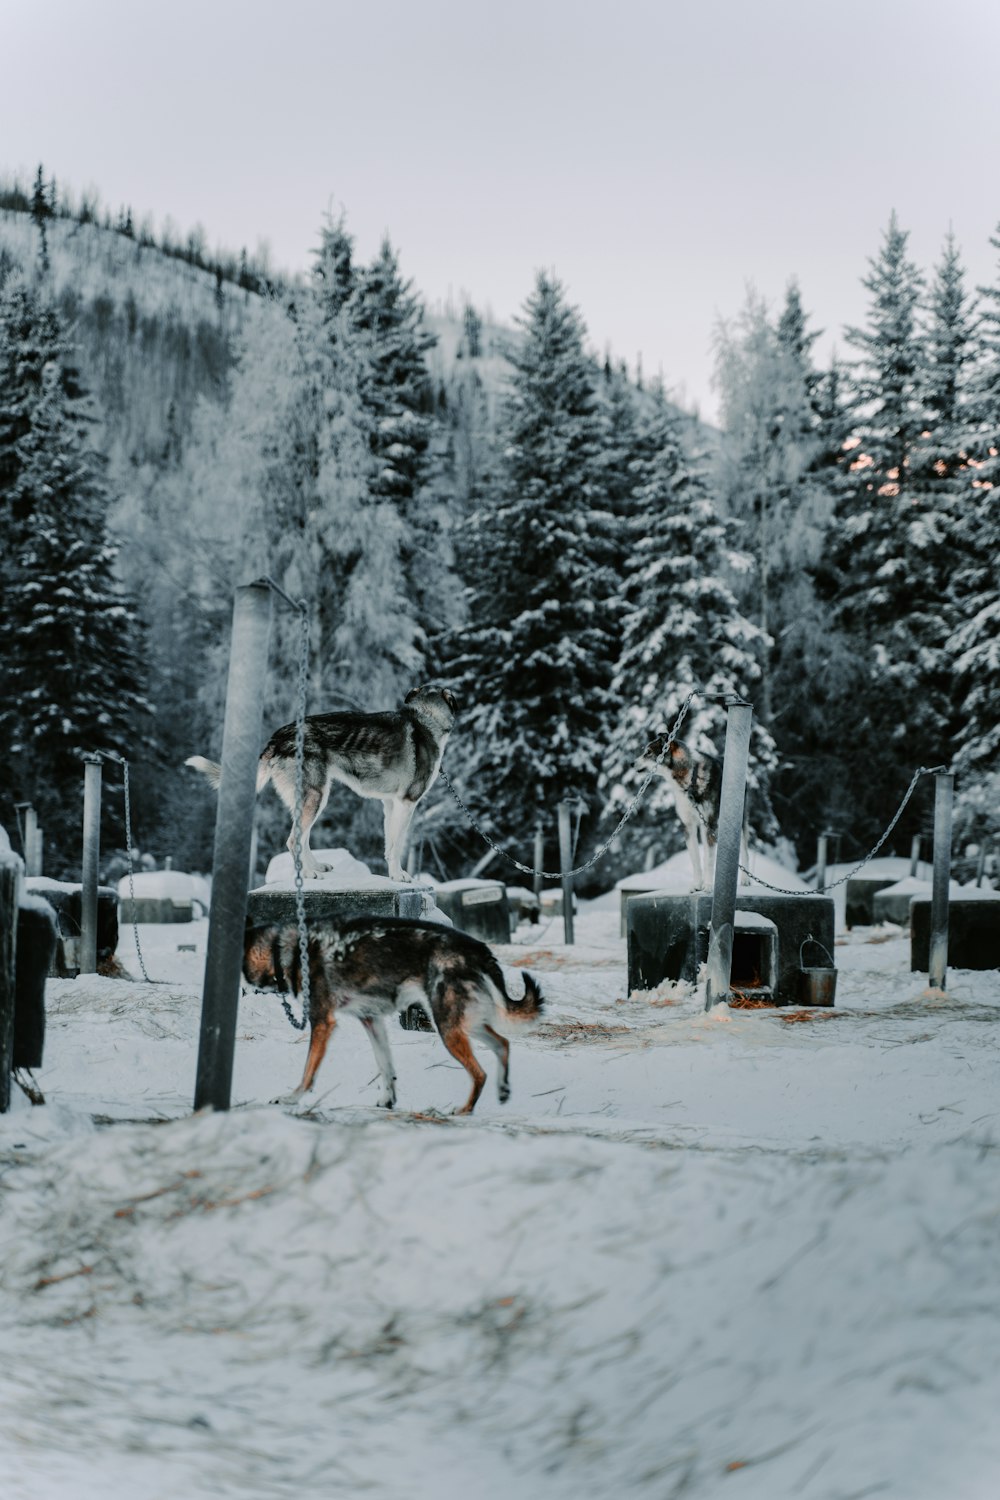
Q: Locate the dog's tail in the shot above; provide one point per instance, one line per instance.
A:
(209, 769)
(531, 1004)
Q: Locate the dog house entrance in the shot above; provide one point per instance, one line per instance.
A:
(753, 976)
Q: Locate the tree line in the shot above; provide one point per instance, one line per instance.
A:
(569, 553)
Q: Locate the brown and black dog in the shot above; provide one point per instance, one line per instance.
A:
(370, 967)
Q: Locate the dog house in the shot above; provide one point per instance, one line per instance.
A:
(753, 975)
(478, 907)
(668, 934)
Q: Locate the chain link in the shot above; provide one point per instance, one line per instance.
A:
(920, 771)
(131, 872)
(300, 742)
(578, 869)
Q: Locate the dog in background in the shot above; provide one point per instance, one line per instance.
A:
(370, 967)
(393, 756)
(695, 780)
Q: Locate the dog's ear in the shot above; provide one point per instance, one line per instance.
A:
(449, 698)
(413, 693)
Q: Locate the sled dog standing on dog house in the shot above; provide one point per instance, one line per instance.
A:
(394, 756)
(695, 780)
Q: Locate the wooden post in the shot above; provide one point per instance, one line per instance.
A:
(944, 785)
(87, 959)
(914, 855)
(10, 890)
(241, 738)
(565, 865)
(821, 864)
(727, 853)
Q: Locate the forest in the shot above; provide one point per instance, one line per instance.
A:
(500, 510)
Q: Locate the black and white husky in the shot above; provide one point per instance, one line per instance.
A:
(696, 783)
(394, 756)
(370, 967)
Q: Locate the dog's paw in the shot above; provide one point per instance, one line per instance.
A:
(286, 1100)
(503, 1092)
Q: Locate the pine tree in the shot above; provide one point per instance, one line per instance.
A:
(974, 647)
(396, 388)
(888, 552)
(682, 628)
(768, 389)
(407, 490)
(70, 648)
(533, 665)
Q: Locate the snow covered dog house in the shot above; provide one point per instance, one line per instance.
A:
(347, 889)
(973, 929)
(478, 907)
(667, 937)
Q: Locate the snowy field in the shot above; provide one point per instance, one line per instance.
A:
(747, 1254)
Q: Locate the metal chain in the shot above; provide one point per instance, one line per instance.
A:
(300, 743)
(578, 869)
(920, 771)
(131, 873)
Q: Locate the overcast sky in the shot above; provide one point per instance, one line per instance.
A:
(656, 156)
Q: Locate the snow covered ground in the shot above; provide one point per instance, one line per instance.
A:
(746, 1254)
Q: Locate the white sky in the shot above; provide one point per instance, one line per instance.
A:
(656, 156)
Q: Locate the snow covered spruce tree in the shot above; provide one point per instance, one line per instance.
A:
(406, 513)
(891, 544)
(777, 469)
(70, 648)
(681, 629)
(974, 647)
(533, 665)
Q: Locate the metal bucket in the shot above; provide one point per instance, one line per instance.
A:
(817, 986)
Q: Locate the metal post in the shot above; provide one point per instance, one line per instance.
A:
(727, 853)
(30, 841)
(39, 859)
(821, 864)
(87, 959)
(252, 867)
(565, 865)
(10, 891)
(241, 738)
(944, 786)
(539, 860)
(914, 855)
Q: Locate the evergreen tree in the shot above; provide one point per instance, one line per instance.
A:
(406, 489)
(396, 388)
(533, 665)
(770, 444)
(974, 646)
(69, 644)
(682, 629)
(888, 553)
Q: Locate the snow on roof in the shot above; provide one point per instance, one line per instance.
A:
(343, 869)
(33, 901)
(345, 873)
(159, 885)
(675, 874)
